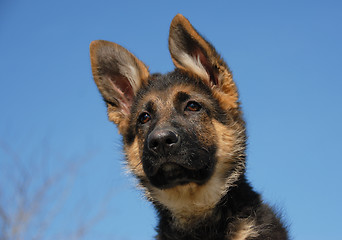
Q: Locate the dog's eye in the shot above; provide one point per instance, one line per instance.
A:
(193, 106)
(144, 118)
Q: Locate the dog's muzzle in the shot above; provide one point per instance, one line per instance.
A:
(171, 158)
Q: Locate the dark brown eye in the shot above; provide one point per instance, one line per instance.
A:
(144, 118)
(193, 106)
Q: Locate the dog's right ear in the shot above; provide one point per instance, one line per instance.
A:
(118, 75)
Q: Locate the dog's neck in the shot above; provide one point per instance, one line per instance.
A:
(190, 203)
(197, 223)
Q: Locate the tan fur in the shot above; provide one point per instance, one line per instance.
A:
(189, 203)
(118, 118)
(134, 159)
(229, 145)
(246, 229)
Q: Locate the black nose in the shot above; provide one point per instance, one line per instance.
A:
(163, 141)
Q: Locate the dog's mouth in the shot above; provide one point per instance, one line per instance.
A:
(172, 174)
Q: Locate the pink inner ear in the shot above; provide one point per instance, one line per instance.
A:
(124, 89)
(207, 65)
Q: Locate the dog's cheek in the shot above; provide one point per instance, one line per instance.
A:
(118, 118)
(133, 157)
(206, 133)
(225, 144)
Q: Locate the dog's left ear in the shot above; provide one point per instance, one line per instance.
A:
(191, 53)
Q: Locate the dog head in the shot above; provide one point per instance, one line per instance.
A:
(184, 137)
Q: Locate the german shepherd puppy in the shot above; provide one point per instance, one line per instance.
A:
(184, 139)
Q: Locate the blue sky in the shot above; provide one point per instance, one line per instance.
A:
(286, 58)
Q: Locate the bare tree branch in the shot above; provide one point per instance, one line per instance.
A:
(31, 198)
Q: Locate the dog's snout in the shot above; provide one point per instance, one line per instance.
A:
(163, 141)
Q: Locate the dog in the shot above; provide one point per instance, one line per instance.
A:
(184, 139)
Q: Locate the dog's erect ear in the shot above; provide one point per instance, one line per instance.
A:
(190, 52)
(118, 75)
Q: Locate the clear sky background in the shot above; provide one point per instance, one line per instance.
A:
(286, 57)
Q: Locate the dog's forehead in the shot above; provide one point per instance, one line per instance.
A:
(167, 97)
(169, 94)
(165, 87)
